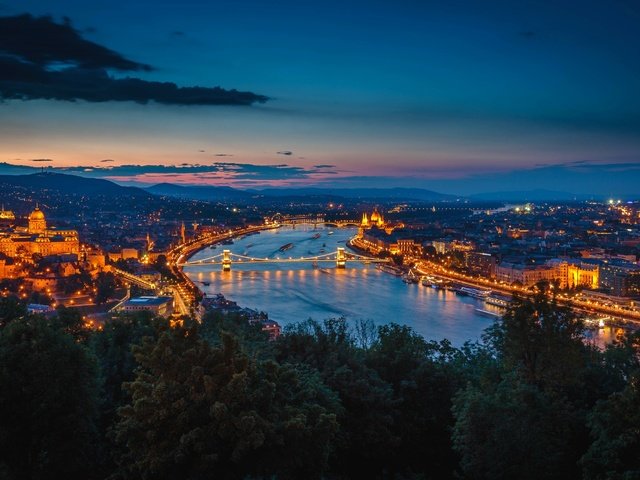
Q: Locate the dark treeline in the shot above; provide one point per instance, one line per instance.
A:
(330, 400)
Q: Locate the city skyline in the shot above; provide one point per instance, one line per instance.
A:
(460, 98)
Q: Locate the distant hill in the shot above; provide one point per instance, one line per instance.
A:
(212, 193)
(206, 193)
(538, 195)
(70, 184)
(363, 193)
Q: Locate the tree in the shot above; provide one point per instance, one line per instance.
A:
(11, 308)
(198, 410)
(47, 403)
(542, 341)
(424, 384)
(526, 416)
(615, 426)
(515, 431)
(106, 287)
(615, 421)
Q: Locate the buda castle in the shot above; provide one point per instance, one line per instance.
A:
(36, 238)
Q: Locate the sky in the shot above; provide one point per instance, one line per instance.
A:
(458, 96)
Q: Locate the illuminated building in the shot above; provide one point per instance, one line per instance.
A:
(572, 274)
(162, 306)
(38, 238)
(619, 277)
(582, 275)
(375, 221)
(525, 275)
(6, 217)
(480, 263)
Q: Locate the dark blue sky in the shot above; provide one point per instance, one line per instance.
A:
(463, 95)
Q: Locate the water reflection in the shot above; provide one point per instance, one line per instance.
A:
(294, 292)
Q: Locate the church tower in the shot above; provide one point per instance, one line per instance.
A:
(182, 233)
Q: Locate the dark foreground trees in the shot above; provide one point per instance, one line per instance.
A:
(199, 410)
(140, 400)
(48, 403)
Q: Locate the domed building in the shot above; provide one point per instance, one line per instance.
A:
(37, 238)
(37, 222)
(375, 220)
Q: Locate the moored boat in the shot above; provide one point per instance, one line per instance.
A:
(390, 269)
(488, 313)
(497, 301)
(474, 292)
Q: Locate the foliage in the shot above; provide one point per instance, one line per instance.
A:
(139, 399)
(105, 286)
(47, 402)
(198, 409)
(11, 308)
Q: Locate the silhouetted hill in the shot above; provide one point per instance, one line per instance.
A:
(419, 194)
(207, 193)
(537, 195)
(213, 193)
(70, 184)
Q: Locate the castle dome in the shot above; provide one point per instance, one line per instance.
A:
(37, 214)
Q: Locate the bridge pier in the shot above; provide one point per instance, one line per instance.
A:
(226, 260)
(341, 258)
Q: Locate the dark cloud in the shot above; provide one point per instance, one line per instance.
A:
(223, 155)
(177, 33)
(42, 41)
(107, 160)
(324, 166)
(285, 152)
(237, 171)
(40, 59)
(40, 160)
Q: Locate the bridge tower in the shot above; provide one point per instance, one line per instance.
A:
(341, 258)
(226, 260)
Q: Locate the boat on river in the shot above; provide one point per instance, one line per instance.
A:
(285, 247)
(474, 292)
(487, 313)
(496, 301)
(390, 269)
(315, 236)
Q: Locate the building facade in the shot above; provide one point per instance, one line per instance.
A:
(38, 238)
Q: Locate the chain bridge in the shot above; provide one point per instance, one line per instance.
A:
(340, 257)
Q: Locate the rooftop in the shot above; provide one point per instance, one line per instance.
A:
(148, 300)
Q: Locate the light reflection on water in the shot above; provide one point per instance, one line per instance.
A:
(294, 292)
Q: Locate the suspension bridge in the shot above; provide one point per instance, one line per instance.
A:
(340, 257)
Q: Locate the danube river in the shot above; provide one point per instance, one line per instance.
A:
(292, 292)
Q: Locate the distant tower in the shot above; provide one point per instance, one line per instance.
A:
(150, 243)
(183, 236)
(365, 220)
(195, 227)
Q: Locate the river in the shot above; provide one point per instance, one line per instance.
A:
(292, 292)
